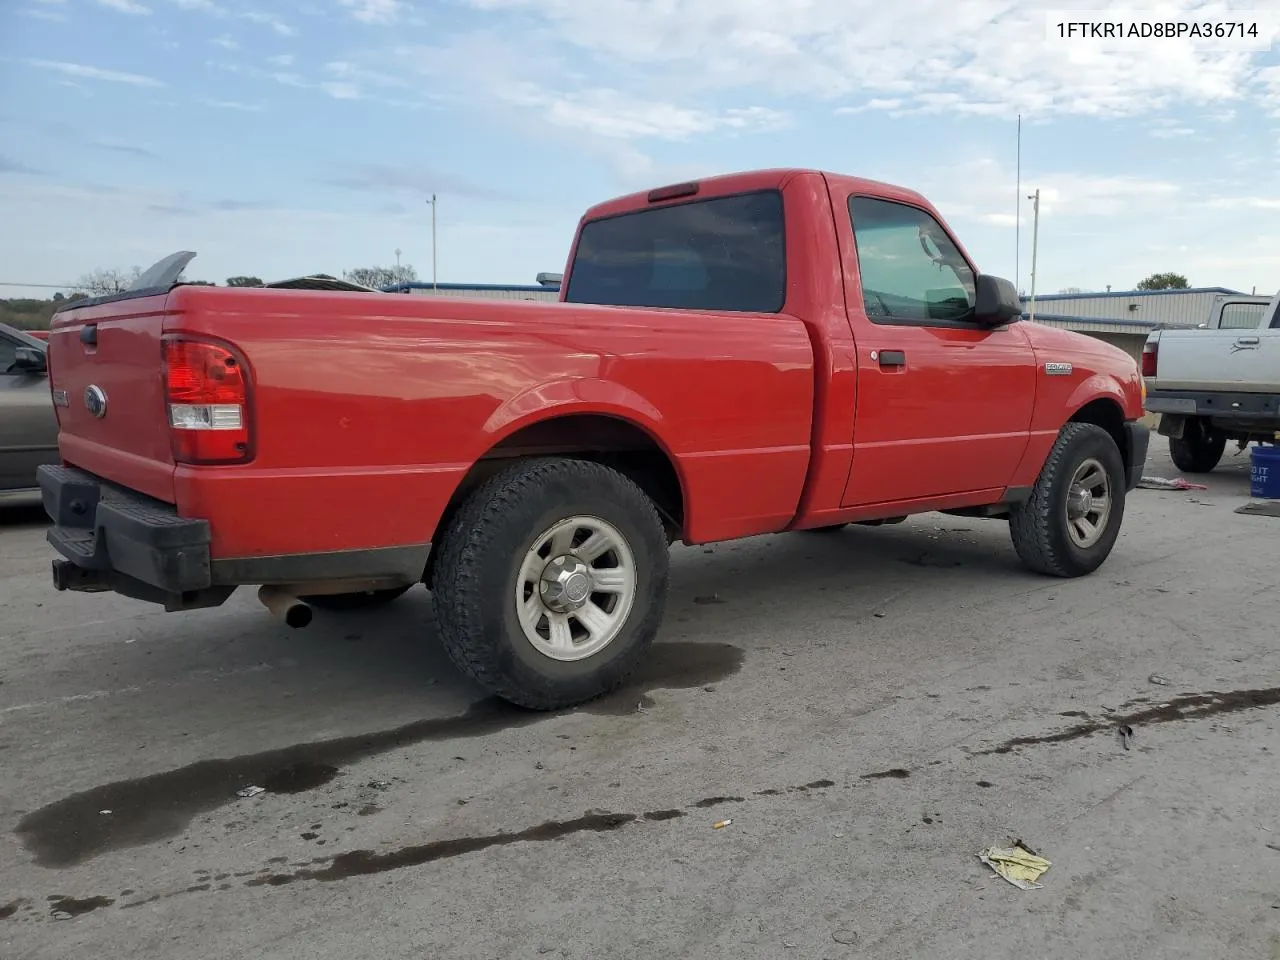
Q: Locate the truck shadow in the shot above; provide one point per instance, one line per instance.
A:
(18, 516)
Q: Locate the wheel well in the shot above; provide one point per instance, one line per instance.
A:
(607, 440)
(1108, 415)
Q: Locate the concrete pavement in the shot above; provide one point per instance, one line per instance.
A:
(870, 708)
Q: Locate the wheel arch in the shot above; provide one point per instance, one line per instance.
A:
(1106, 412)
(621, 438)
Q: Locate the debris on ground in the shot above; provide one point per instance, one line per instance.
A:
(1019, 865)
(721, 824)
(1163, 483)
(1125, 733)
(708, 598)
(247, 792)
(1158, 680)
(845, 936)
(1260, 508)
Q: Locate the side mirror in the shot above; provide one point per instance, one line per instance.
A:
(996, 301)
(29, 360)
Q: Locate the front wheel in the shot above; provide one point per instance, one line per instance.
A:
(1072, 519)
(551, 582)
(1199, 449)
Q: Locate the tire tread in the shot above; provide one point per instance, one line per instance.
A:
(1031, 524)
(457, 591)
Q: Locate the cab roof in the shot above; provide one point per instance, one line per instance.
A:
(746, 180)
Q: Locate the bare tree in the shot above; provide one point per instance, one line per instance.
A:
(101, 283)
(379, 277)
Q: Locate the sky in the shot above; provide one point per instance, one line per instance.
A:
(283, 137)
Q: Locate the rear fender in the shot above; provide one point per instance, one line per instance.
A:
(565, 397)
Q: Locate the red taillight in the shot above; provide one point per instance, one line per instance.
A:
(1149, 359)
(207, 392)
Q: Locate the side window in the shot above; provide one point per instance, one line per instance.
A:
(1241, 316)
(911, 271)
(8, 353)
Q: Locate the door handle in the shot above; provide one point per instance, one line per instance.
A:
(1247, 341)
(892, 358)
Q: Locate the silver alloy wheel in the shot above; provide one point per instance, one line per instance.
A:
(575, 588)
(1088, 503)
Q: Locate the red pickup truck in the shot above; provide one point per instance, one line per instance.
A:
(761, 352)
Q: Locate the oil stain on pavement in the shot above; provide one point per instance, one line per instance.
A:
(358, 863)
(152, 808)
(1192, 706)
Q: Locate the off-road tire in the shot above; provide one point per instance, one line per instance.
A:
(360, 600)
(1039, 526)
(479, 563)
(1199, 449)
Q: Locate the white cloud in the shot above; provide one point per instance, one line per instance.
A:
(340, 90)
(268, 20)
(96, 73)
(234, 105)
(225, 42)
(281, 60)
(126, 6)
(977, 57)
(374, 11)
(609, 113)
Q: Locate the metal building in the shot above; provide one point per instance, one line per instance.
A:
(1170, 308)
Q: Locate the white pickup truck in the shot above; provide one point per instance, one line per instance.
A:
(1215, 385)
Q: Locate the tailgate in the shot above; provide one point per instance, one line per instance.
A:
(1228, 360)
(106, 374)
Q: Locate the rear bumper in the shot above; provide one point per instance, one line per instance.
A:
(113, 538)
(1138, 440)
(1257, 409)
(116, 539)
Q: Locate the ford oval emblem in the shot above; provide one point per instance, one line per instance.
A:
(95, 400)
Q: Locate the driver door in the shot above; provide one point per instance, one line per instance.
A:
(943, 404)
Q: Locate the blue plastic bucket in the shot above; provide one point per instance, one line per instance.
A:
(1264, 472)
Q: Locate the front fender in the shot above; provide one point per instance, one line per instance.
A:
(1100, 386)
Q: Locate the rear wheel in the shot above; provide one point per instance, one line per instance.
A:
(1199, 449)
(551, 582)
(1072, 519)
(360, 600)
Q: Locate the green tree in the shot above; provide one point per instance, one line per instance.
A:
(1165, 281)
(244, 282)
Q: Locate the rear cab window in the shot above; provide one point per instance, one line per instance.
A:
(723, 253)
(1241, 316)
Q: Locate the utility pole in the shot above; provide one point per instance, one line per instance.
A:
(1035, 240)
(432, 201)
(1017, 218)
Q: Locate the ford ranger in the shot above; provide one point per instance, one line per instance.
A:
(1211, 386)
(778, 350)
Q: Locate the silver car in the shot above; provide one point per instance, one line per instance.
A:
(28, 427)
